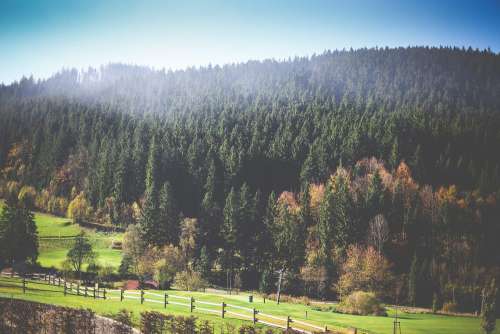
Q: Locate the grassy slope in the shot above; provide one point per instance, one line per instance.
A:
(52, 252)
(410, 323)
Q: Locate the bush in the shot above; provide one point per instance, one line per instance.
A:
(361, 303)
(302, 300)
(450, 307)
(189, 280)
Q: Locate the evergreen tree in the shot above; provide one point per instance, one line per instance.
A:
(412, 281)
(488, 307)
(18, 234)
(210, 217)
(104, 173)
(326, 221)
(150, 220)
(123, 187)
(344, 224)
(168, 228)
(247, 224)
(394, 157)
(230, 230)
(288, 239)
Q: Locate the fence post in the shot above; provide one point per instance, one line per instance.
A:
(191, 306)
(287, 322)
(93, 292)
(86, 291)
(65, 288)
(78, 289)
(254, 315)
(59, 281)
(121, 294)
(24, 285)
(223, 309)
(165, 302)
(142, 296)
(104, 293)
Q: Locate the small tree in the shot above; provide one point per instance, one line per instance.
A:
(365, 270)
(378, 232)
(171, 262)
(488, 307)
(288, 237)
(133, 247)
(81, 253)
(188, 239)
(79, 209)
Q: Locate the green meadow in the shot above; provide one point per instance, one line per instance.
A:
(410, 323)
(55, 237)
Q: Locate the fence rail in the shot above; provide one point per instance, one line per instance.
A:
(223, 309)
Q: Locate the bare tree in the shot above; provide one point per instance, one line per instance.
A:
(378, 232)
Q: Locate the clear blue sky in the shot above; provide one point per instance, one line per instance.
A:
(40, 37)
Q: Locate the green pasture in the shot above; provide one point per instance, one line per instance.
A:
(55, 237)
(410, 323)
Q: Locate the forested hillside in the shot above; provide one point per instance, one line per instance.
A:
(390, 155)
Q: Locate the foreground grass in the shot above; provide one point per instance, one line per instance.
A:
(410, 323)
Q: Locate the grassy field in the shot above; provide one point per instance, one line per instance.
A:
(410, 323)
(55, 239)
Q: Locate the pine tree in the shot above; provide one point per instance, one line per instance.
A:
(168, 229)
(210, 218)
(326, 221)
(231, 226)
(488, 307)
(247, 228)
(150, 219)
(140, 157)
(344, 224)
(394, 157)
(412, 281)
(18, 234)
(288, 239)
(104, 174)
(123, 187)
(230, 231)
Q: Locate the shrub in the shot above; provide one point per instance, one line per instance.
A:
(189, 280)
(361, 303)
(450, 307)
(302, 300)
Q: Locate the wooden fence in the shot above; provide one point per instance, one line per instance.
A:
(144, 296)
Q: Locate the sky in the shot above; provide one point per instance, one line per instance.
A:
(40, 38)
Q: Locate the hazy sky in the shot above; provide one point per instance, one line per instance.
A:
(41, 37)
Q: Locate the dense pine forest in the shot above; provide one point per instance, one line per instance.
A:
(369, 169)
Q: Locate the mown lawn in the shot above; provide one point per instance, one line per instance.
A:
(410, 323)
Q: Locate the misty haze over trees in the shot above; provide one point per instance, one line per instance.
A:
(320, 168)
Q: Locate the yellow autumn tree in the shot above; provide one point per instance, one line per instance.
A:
(79, 208)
